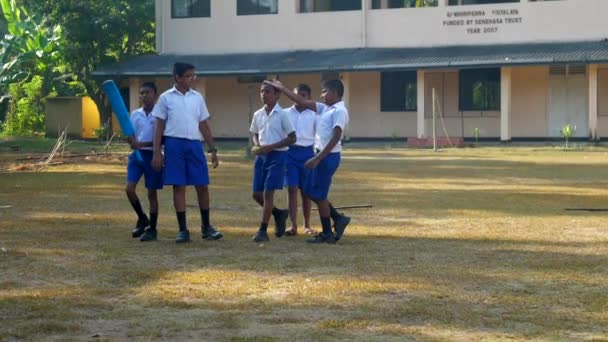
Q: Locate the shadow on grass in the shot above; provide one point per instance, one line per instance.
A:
(474, 285)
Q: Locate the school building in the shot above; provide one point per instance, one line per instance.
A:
(508, 69)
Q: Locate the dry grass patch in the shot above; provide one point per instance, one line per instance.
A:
(468, 244)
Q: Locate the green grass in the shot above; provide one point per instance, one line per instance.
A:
(466, 244)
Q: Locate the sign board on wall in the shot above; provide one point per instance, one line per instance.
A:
(482, 21)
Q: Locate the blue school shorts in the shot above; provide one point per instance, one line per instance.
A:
(269, 171)
(136, 169)
(318, 181)
(296, 171)
(185, 162)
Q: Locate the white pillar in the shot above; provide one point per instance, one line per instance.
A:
(383, 3)
(420, 104)
(593, 99)
(442, 3)
(366, 6)
(505, 103)
(133, 93)
(345, 78)
(159, 26)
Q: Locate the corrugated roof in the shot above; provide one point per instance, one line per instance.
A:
(367, 59)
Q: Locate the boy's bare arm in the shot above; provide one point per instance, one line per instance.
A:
(302, 101)
(157, 160)
(205, 130)
(335, 138)
(290, 140)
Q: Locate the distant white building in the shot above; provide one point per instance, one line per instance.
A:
(512, 69)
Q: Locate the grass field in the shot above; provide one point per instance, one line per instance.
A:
(463, 244)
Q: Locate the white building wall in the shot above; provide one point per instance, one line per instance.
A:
(602, 108)
(225, 32)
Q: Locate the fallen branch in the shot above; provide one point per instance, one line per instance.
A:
(58, 145)
(586, 209)
(356, 206)
(107, 147)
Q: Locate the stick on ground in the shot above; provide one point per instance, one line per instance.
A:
(355, 206)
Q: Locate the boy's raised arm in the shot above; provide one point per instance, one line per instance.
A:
(309, 104)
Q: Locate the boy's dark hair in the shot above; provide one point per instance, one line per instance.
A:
(336, 86)
(304, 87)
(180, 68)
(268, 85)
(150, 85)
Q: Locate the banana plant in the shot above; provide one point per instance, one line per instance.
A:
(29, 48)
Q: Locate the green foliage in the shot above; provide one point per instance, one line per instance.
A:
(31, 47)
(568, 132)
(103, 132)
(426, 3)
(99, 33)
(26, 108)
(63, 41)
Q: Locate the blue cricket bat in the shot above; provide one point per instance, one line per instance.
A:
(122, 114)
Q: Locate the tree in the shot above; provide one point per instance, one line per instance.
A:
(30, 47)
(29, 56)
(99, 33)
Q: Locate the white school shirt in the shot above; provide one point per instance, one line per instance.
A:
(271, 128)
(183, 113)
(330, 117)
(144, 126)
(305, 124)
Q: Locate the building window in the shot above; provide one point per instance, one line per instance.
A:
(398, 91)
(190, 8)
(307, 6)
(478, 2)
(479, 89)
(255, 7)
(380, 4)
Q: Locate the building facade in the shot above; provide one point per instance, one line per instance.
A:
(505, 69)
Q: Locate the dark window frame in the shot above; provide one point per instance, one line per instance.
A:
(389, 80)
(489, 82)
(392, 4)
(339, 10)
(190, 16)
(258, 7)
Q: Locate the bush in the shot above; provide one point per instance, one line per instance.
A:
(26, 108)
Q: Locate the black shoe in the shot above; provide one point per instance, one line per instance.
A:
(340, 225)
(183, 236)
(209, 233)
(149, 235)
(137, 232)
(323, 238)
(140, 227)
(280, 220)
(260, 236)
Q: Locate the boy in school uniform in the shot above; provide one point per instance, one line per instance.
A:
(182, 122)
(144, 123)
(272, 132)
(333, 118)
(304, 121)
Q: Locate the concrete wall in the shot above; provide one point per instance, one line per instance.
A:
(225, 32)
(529, 91)
(228, 103)
(365, 116)
(455, 122)
(63, 113)
(602, 108)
